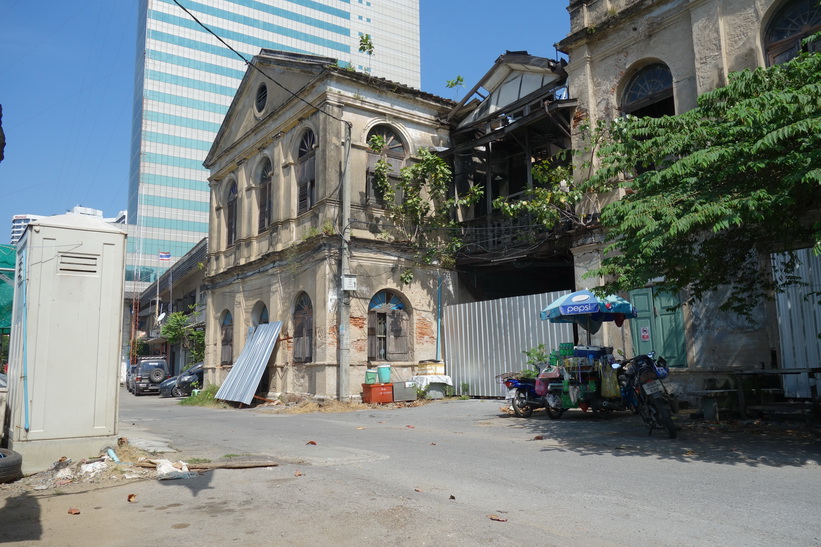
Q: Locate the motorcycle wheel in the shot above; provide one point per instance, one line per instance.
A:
(666, 418)
(520, 406)
(554, 413)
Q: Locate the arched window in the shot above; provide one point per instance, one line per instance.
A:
(791, 24)
(387, 328)
(259, 315)
(231, 215)
(306, 175)
(303, 329)
(264, 182)
(394, 153)
(226, 338)
(650, 92)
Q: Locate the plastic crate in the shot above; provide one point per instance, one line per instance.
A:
(377, 393)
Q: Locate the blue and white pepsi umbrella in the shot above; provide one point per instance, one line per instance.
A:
(588, 310)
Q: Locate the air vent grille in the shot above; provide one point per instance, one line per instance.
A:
(77, 263)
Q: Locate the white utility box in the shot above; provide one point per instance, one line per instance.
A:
(65, 340)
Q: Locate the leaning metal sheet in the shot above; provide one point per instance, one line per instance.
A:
(241, 383)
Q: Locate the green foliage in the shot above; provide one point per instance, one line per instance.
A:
(406, 277)
(537, 355)
(366, 44)
(420, 206)
(178, 329)
(552, 198)
(528, 373)
(204, 398)
(716, 188)
(456, 82)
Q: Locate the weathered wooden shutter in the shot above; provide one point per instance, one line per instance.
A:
(264, 205)
(397, 336)
(227, 345)
(305, 182)
(372, 194)
(373, 346)
(303, 337)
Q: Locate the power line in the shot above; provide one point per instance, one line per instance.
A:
(248, 63)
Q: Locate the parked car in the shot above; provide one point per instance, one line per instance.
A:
(151, 372)
(189, 380)
(4, 381)
(129, 377)
(169, 387)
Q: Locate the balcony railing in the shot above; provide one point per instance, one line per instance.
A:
(498, 232)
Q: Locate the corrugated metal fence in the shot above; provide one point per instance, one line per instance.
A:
(799, 322)
(484, 339)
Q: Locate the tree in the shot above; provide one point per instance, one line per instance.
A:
(456, 83)
(366, 46)
(710, 193)
(420, 205)
(179, 329)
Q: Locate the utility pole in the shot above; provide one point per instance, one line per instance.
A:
(343, 376)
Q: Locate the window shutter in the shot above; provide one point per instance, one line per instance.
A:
(372, 194)
(227, 350)
(303, 338)
(304, 198)
(397, 336)
(308, 339)
(373, 352)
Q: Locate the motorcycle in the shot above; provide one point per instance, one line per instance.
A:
(529, 394)
(556, 390)
(644, 392)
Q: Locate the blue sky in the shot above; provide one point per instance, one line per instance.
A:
(66, 86)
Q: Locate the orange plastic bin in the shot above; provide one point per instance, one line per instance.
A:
(377, 393)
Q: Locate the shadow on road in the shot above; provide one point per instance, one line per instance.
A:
(20, 519)
(198, 483)
(623, 434)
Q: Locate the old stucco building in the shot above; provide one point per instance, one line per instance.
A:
(654, 58)
(278, 177)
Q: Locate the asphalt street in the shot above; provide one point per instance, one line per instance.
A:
(449, 473)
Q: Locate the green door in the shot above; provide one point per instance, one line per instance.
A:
(658, 327)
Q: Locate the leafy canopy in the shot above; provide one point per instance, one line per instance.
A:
(719, 187)
(178, 328)
(419, 202)
(709, 194)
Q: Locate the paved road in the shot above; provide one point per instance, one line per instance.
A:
(451, 473)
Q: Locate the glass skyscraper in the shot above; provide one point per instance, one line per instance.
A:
(186, 79)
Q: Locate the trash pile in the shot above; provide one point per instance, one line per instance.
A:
(109, 467)
(124, 464)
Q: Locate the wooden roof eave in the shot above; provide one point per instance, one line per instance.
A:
(549, 112)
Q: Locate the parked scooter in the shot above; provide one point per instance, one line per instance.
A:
(529, 394)
(643, 390)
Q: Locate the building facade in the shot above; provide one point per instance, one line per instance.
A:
(185, 80)
(281, 166)
(18, 226)
(655, 58)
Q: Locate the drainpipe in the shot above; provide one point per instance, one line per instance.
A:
(343, 376)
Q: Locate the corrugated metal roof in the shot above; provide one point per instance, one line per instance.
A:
(241, 383)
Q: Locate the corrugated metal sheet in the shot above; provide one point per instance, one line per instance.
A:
(484, 339)
(243, 379)
(799, 322)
